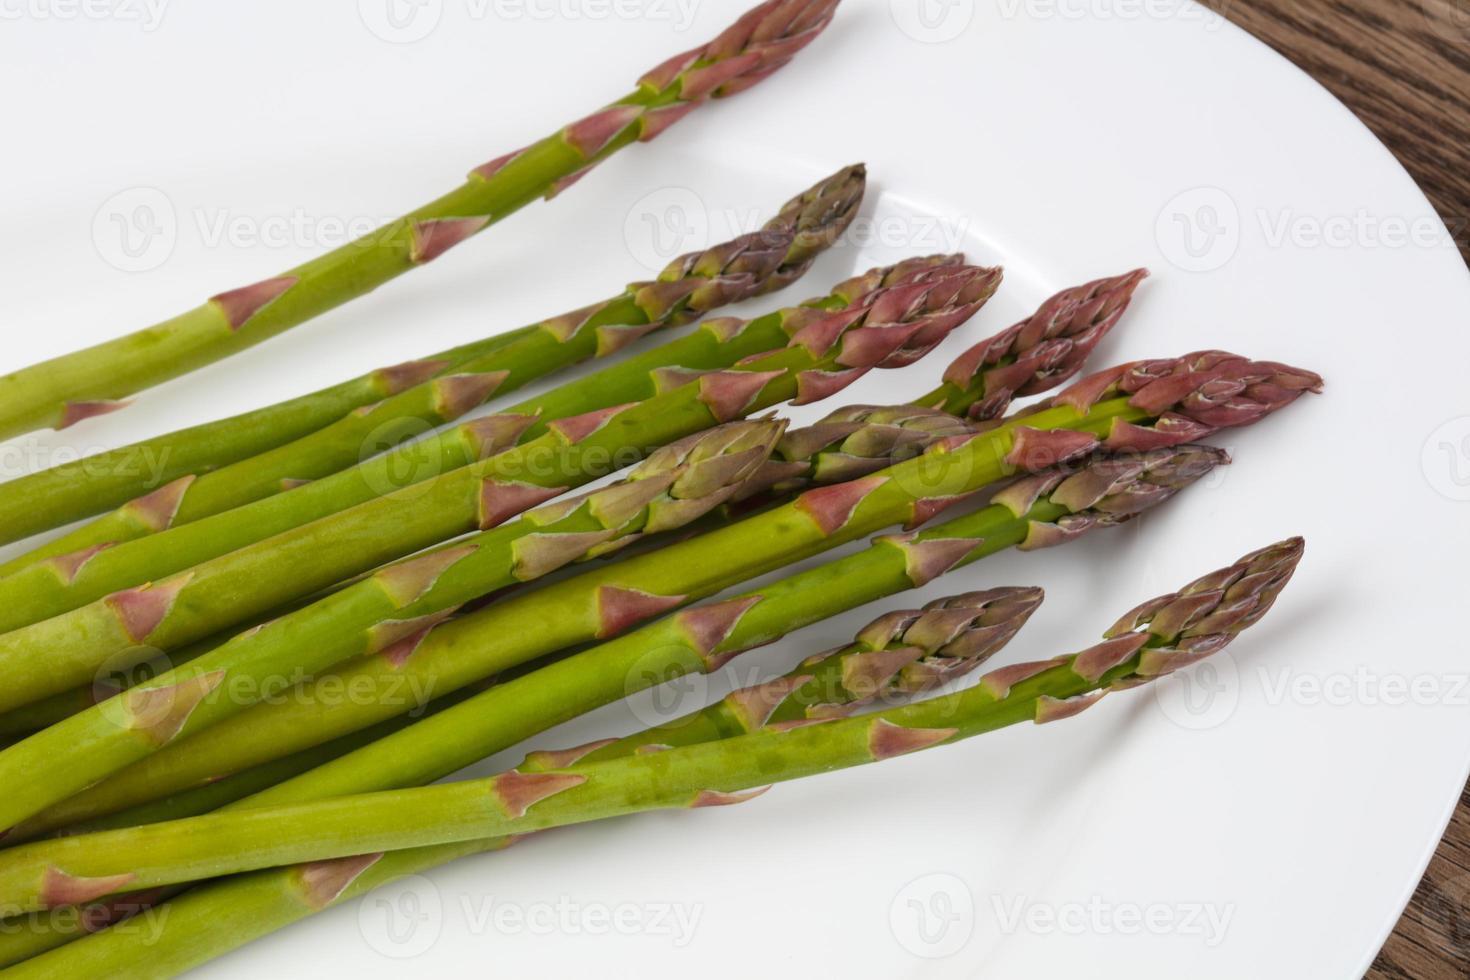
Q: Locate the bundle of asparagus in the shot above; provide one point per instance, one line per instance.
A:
(827, 351)
(816, 353)
(66, 390)
(357, 843)
(477, 646)
(431, 576)
(862, 440)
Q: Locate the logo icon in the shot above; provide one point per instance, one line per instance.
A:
(400, 21)
(665, 224)
(403, 458)
(659, 693)
(1446, 459)
(403, 919)
(1202, 697)
(933, 916)
(932, 21)
(136, 230)
(1199, 230)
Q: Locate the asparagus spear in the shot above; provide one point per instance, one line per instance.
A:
(916, 307)
(1133, 407)
(435, 390)
(31, 718)
(1066, 504)
(897, 656)
(67, 389)
(1157, 638)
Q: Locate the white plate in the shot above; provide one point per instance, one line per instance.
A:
(1275, 807)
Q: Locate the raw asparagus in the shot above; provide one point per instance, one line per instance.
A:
(435, 390)
(1157, 638)
(67, 389)
(1038, 353)
(1133, 407)
(1115, 489)
(859, 440)
(945, 644)
(913, 308)
(828, 351)
(76, 490)
(380, 675)
(1033, 356)
(896, 657)
(675, 485)
(1098, 493)
(63, 582)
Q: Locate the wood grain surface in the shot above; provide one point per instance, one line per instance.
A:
(1404, 67)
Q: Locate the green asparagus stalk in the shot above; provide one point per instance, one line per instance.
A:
(110, 682)
(1098, 493)
(897, 657)
(904, 654)
(1158, 638)
(436, 390)
(1133, 407)
(31, 718)
(850, 442)
(222, 793)
(67, 389)
(913, 308)
(675, 485)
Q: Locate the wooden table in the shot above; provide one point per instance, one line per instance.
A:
(1404, 67)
